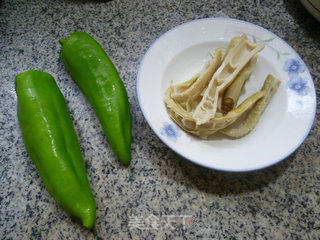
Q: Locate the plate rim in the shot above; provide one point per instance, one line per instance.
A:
(311, 8)
(163, 139)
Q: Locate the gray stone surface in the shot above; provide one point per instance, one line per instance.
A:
(281, 202)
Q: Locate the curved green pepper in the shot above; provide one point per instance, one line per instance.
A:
(93, 71)
(52, 144)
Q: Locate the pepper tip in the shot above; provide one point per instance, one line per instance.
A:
(62, 41)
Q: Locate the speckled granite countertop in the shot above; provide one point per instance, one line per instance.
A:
(281, 202)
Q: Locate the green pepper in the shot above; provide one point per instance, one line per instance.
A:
(52, 144)
(95, 74)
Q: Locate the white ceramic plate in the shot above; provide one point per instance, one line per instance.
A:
(180, 53)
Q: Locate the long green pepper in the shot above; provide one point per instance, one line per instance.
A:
(52, 144)
(95, 74)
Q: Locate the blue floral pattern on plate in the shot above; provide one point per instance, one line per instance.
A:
(299, 85)
(294, 68)
(171, 131)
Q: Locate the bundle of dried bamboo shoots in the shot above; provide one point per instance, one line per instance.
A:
(207, 103)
